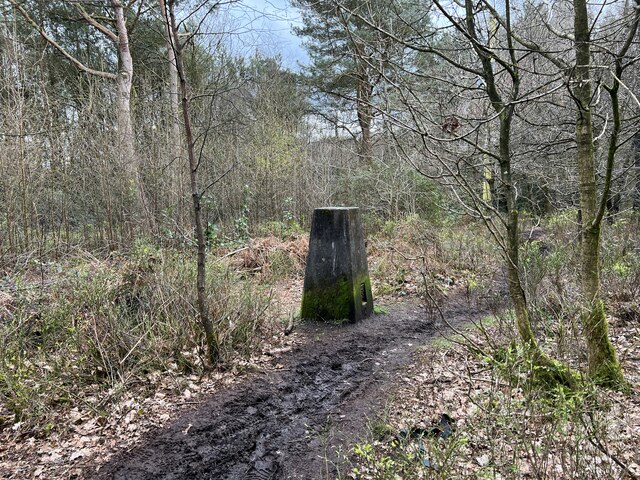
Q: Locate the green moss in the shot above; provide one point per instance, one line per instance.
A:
(442, 342)
(488, 321)
(331, 302)
(604, 367)
(380, 310)
(609, 374)
(335, 301)
(543, 372)
(549, 374)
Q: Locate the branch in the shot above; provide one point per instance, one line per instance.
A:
(97, 25)
(233, 165)
(615, 107)
(60, 48)
(555, 31)
(483, 51)
(534, 47)
(412, 46)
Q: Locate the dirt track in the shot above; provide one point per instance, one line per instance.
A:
(288, 424)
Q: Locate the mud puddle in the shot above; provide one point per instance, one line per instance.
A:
(289, 423)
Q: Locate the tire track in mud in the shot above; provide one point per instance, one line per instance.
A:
(290, 423)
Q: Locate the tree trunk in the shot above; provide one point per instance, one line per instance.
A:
(636, 167)
(603, 363)
(505, 116)
(24, 179)
(548, 370)
(363, 103)
(175, 141)
(210, 335)
(129, 159)
(513, 271)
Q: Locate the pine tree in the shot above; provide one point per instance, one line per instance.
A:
(351, 60)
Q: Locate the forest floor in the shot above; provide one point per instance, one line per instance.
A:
(292, 420)
(397, 396)
(340, 401)
(291, 412)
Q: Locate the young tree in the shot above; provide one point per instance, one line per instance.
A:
(603, 363)
(474, 62)
(175, 140)
(196, 195)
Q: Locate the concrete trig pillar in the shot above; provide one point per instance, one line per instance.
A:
(336, 281)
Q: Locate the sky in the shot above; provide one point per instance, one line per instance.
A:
(265, 26)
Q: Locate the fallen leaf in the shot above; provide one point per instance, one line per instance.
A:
(78, 454)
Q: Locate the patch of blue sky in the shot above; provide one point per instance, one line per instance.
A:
(266, 27)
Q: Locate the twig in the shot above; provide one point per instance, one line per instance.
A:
(133, 348)
(289, 328)
(233, 253)
(595, 441)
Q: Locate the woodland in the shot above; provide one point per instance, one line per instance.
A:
(157, 184)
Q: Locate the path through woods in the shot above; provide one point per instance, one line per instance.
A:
(290, 423)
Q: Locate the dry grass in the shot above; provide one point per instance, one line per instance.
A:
(272, 256)
(89, 326)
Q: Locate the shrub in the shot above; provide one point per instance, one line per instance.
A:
(103, 323)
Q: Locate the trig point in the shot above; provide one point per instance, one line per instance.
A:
(336, 281)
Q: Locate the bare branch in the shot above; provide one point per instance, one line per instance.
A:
(60, 48)
(94, 23)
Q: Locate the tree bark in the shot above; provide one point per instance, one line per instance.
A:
(210, 336)
(363, 103)
(603, 363)
(129, 158)
(123, 99)
(505, 116)
(175, 141)
(636, 167)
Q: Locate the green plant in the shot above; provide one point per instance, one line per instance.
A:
(106, 322)
(284, 230)
(281, 264)
(242, 222)
(380, 309)
(211, 234)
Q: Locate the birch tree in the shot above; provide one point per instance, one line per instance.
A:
(123, 77)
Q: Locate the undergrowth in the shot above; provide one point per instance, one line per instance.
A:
(102, 324)
(509, 423)
(505, 426)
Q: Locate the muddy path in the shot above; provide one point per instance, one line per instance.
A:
(289, 423)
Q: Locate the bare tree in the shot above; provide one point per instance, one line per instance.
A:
(505, 70)
(211, 338)
(478, 64)
(603, 363)
(175, 137)
(123, 78)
